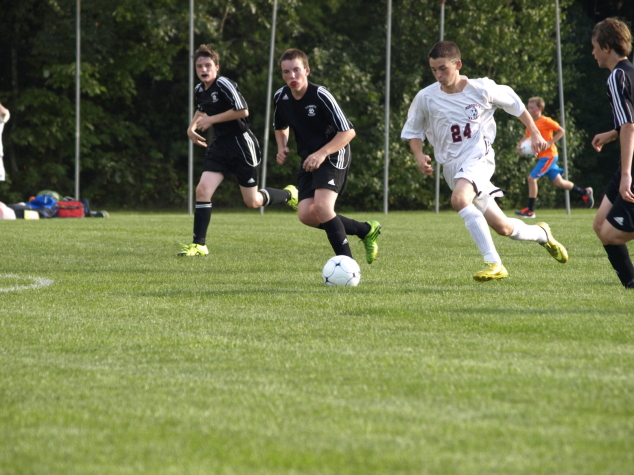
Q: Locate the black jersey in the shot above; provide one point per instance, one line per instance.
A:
(315, 118)
(222, 95)
(621, 93)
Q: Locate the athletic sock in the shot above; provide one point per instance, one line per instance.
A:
(619, 257)
(531, 204)
(479, 229)
(337, 236)
(354, 228)
(579, 191)
(274, 195)
(527, 232)
(202, 216)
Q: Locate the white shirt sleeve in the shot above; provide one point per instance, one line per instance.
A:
(6, 117)
(505, 98)
(414, 127)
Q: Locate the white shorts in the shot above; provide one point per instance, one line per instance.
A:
(479, 172)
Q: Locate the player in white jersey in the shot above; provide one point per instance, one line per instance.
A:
(456, 116)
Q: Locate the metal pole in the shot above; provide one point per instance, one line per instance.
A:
(269, 92)
(561, 105)
(77, 99)
(442, 37)
(388, 49)
(190, 144)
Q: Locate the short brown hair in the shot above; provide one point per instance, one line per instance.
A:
(538, 101)
(445, 49)
(294, 53)
(206, 52)
(615, 34)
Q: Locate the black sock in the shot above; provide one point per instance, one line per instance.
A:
(202, 216)
(619, 257)
(531, 204)
(273, 196)
(354, 228)
(337, 236)
(579, 191)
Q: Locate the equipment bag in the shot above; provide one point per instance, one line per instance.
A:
(70, 209)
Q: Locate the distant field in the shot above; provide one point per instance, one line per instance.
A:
(120, 358)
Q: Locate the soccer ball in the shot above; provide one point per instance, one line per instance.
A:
(342, 271)
(525, 148)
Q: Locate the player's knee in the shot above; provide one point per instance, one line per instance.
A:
(458, 202)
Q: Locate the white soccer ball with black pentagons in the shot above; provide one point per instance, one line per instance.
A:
(526, 149)
(342, 271)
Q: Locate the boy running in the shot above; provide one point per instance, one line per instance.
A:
(456, 115)
(323, 134)
(234, 148)
(552, 132)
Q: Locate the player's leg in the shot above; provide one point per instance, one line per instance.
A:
(614, 225)
(587, 194)
(323, 207)
(518, 230)
(462, 201)
(255, 198)
(209, 182)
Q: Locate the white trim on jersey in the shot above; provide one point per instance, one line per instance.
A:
(232, 93)
(253, 161)
(331, 104)
(617, 85)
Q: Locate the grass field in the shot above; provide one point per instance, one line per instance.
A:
(117, 357)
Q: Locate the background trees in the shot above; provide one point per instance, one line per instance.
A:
(135, 88)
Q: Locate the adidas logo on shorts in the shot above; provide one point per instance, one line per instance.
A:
(332, 182)
(251, 180)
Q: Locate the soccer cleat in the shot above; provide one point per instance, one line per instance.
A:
(526, 213)
(292, 202)
(191, 250)
(369, 241)
(493, 272)
(552, 246)
(588, 198)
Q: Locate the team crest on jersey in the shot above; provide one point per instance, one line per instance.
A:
(214, 97)
(311, 110)
(473, 111)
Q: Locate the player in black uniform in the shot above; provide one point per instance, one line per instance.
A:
(614, 222)
(323, 134)
(234, 148)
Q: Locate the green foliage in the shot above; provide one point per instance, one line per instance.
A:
(135, 93)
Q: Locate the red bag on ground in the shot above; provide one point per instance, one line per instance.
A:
(70, 209)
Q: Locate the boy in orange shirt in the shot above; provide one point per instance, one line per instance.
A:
(547, 160)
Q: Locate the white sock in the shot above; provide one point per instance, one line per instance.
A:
(526, 232)
(480, 233)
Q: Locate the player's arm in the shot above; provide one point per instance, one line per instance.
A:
(626, 139)
(281, 137)
(339, 141)
(423, 160)
(600, 140)
(557, 137)
(191, 130)
(206, 121)
(538, 144)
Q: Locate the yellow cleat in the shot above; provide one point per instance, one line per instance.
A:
(552, 246)
(191, 250)
(494, 272)
(292, 202)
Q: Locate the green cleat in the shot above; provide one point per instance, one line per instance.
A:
(493, 272)
(369, 241)
(552, 246)
(292, 202)
(191, 250)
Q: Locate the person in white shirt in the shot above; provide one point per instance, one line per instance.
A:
(455, 115)
(4, 118)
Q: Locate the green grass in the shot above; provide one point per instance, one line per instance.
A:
(134, 361)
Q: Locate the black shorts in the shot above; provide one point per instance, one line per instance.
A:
(331, 175)
(239, 155)
(621, 216)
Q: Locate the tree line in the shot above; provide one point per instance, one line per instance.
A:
(135, 90)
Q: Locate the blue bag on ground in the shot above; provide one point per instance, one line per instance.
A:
(45, 205)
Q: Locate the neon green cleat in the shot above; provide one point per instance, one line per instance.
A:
(191, 250)
(494, 272)
(369, 241)
(552, 246)
(292, 202)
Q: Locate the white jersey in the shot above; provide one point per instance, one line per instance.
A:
(460, 126)
(3, 120)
